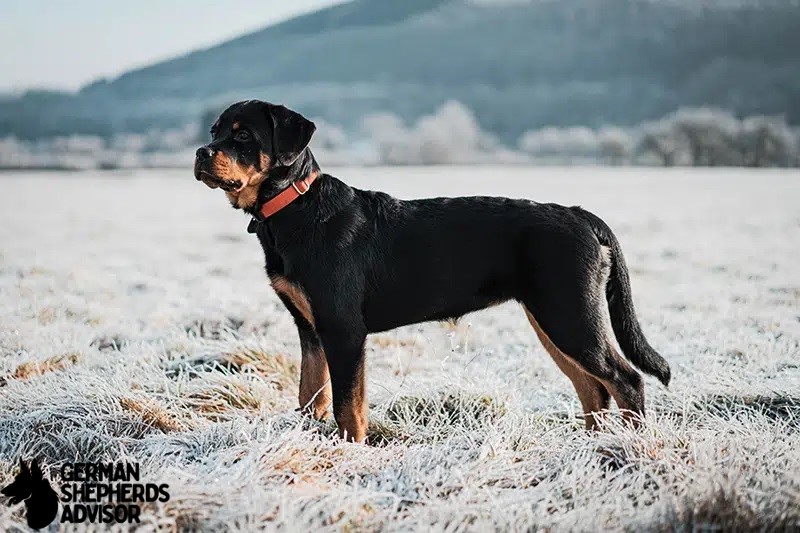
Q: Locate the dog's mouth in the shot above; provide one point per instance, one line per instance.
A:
(214, 182)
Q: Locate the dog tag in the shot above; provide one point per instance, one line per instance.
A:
(252, 226)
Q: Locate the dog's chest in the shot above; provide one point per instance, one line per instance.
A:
(290, 292)
(293, 296)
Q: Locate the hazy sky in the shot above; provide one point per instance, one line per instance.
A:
(67, 43)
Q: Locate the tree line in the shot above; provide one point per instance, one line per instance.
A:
(452, 135)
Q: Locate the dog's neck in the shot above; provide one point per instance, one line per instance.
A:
(325, 197)
(281, 178)
(252, 196)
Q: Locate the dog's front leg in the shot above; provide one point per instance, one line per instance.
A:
(315, 387)
(344, 348)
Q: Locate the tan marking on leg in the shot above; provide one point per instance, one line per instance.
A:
(591, 392)
(352, 418)
(315, 383)
(295, 294)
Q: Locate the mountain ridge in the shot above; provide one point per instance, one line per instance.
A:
(518, 65)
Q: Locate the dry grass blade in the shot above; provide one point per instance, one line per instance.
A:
(37, 368)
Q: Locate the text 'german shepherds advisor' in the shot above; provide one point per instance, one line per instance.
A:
(348, 262)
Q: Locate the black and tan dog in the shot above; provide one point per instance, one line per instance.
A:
(348, 262)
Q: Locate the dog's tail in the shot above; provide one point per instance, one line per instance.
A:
(620, 305)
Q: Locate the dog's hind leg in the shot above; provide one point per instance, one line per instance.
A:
(594, 366)
(592, 393)
(565, 299)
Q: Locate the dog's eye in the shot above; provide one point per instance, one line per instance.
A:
(242, 136)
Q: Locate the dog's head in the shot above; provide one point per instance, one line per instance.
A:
(22, 486)
(248, 140)
(30, 486)
(27, 482)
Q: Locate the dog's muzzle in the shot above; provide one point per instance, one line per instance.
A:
(202, 159)
(203, 162)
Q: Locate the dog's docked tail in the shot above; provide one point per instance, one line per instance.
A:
(620, 305)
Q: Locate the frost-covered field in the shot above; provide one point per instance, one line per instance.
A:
(136, 323)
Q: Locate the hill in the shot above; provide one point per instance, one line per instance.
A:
(518, 65)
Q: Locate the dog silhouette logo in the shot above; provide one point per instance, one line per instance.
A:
(30, 486)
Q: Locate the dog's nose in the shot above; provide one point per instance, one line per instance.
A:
(204, 153)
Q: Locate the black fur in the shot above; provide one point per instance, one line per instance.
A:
(30, 486)
(620, 302)
(370, 262)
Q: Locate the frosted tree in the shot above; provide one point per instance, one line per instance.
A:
(390, 137)
(767, 142)
(562, 144)
(451, 135)
(615, 145)
(711, 136)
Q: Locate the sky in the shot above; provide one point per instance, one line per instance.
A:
(58, 44)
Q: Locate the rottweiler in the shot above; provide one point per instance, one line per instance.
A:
(347, 262)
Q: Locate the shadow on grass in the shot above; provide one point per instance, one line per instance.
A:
(728, 510)
(214, 329)
(277, 368)
(427, 418)
(777, 408)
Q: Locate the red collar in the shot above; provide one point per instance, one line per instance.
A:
(288, 195)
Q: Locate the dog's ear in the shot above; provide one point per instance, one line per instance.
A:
(36, 472)
(291, 133)
(23, 469)
(21, 487)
